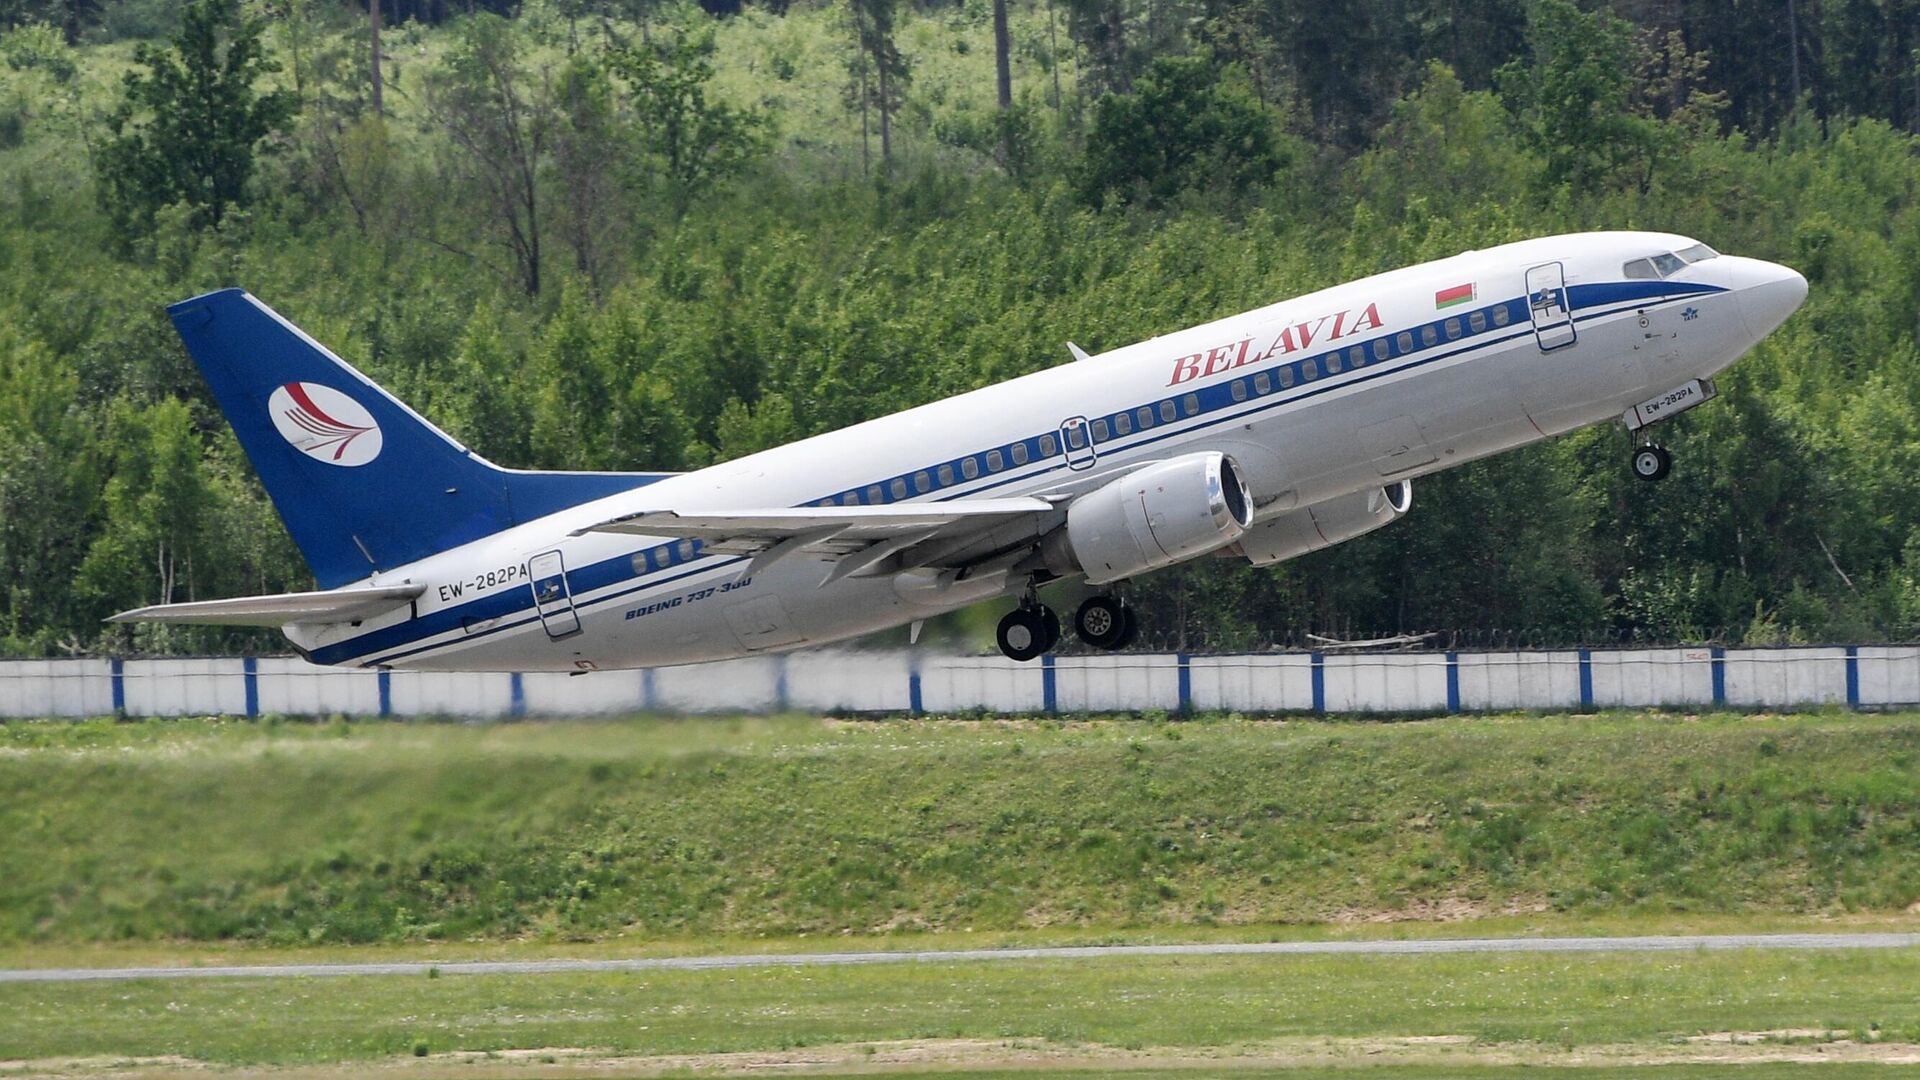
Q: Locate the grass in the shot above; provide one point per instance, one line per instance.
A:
(1530, 1008)
(661, 833)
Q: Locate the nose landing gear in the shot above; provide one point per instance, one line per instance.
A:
(1652, 462)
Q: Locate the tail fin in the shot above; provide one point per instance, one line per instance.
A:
(363, 482)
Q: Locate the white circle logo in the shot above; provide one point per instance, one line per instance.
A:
(325, 424)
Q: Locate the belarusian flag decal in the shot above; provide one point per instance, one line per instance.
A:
(1459, 294)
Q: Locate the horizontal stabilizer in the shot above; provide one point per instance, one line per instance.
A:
(336, 606)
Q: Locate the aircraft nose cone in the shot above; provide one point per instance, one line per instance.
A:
(1769, 293)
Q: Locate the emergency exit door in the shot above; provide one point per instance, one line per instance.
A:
(1548, 307)
(552, 597)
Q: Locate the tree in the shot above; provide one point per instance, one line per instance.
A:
(1574, 95)
(499, 121)
(188, 126)
(686, 140)
(1188, 124)
(879, 71)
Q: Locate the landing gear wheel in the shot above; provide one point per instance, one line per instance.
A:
(1102, 621)
(1129, 630)
(1027, 632)
(1652, 462)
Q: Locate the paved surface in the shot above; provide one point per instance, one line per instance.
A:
(1675, 943)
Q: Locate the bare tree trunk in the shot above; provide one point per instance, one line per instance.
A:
(886, 125)
(1002, 60)
(1793, 44)
(373, 25)
(866, 142)
(1053, 52)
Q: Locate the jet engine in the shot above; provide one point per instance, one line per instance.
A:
(1152, 517)
(1323, 524)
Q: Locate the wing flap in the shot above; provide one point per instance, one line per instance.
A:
(334, 606)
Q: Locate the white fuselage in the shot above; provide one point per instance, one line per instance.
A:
(1314, 398)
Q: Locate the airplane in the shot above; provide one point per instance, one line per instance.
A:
(1261, 436)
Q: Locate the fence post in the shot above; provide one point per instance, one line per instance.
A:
(1049, 696)
(1718, 655)
(516, 695)
(117, 666)
(1319, 683)
(1186, 681)
(386, 692)
(1586, 678)
(1453, 681)
(250, 675)
(1853, 676)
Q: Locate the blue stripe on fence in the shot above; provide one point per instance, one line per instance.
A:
(1719, 662)
(1586, 678)
(1853, 676)
(913, 690)
(647, 700)
(386, 693)
(1186, 681)
(119, 684)
(1319, 683)
(1049, 695)
(250, 675)
(1453, 681)
(780, 682)
(516, 695)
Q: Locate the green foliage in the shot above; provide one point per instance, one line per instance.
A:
(1188, 125)
(569, 266)
(188, 127)
(688, 141)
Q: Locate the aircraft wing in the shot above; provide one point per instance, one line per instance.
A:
(860, 536)
(338, 605)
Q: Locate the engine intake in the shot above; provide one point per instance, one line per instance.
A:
(1323, 524)
(1155, 516)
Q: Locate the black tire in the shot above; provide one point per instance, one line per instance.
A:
(1022, 634)
(1101, 621)
(1128, 633)
(1652, 463)
(1053, 627)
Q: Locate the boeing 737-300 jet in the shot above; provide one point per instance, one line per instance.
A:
(1260, 436)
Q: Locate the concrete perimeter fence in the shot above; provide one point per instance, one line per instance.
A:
(1859, 676)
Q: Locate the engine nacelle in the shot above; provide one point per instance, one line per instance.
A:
(1155, 516)
(1323, 524)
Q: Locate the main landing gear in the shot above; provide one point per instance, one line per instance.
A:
(1652, 462)
(1103, 621)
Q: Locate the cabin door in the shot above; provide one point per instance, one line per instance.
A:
(552, 597)
(1548, 307)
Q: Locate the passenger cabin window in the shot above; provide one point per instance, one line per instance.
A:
(851, 498)
(1428, 335)
(1262, 384)
(1405, 341)
(1453, 329)
(1332, 360)
(1379, 348)
(1190, 404)
(1077, 436)
(1309, 370)
(684, 549)
(1500, 315)
(1168, 414)
(1020, 452)
(1048, 447)
(1144, 414)
(1477, 320)
(873, 495)
(1239, 389)
(1100, 430)
(945, 474)
(898, 487)
(994, 464)
(1122, 423)
(1356, 357)
(640, 565)
(922, 482)
(969, 468)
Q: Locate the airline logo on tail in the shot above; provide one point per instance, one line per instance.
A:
(325, 424)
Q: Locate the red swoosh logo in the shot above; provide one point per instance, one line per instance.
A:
(311, 417)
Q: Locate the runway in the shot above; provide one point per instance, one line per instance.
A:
(1424, 947)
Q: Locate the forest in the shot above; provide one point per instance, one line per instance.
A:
(653, 234)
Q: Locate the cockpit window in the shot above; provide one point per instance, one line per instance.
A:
(1699, 253)
(1664, 265)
